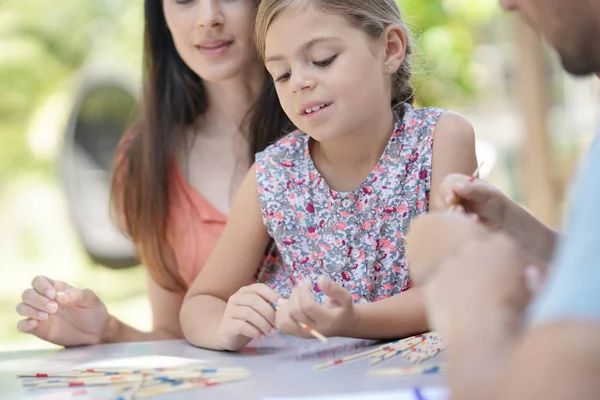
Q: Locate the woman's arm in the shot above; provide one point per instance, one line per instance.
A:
(165, 306)
(230, 267)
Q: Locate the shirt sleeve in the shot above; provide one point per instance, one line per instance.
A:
(572, 291)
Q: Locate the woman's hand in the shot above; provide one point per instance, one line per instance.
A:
(62, 314)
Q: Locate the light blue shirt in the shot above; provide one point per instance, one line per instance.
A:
(572, 291)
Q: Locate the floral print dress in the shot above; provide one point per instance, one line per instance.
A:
(356, 238)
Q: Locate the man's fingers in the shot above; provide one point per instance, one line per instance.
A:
(477, 191)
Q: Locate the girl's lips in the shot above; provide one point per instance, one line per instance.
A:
(317, 113)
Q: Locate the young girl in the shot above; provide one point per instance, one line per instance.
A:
(337, 196)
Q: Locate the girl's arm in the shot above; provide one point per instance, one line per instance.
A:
(231, 267)
(453, 152)
(453, 163)
(397, 316)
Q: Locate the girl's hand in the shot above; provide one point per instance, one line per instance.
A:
(480, 198)
(62, 314)
(248, 315)
(331, 318)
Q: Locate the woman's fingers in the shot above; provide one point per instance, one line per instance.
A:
(35, 300)
(27, 325)
(30, 312)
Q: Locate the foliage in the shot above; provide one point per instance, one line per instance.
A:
(445, 35)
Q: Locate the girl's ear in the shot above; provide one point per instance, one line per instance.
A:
(395, 49)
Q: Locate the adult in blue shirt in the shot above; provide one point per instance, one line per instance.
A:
(514, 329)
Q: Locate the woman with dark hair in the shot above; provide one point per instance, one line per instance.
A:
(208, 107)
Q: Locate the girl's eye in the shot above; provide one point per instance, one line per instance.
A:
(184, 1)
(283, 78)
(326, 62)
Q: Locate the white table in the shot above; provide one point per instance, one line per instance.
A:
(280, 367)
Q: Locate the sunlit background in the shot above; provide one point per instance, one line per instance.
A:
(56, 57)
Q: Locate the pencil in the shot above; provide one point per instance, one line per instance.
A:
(307, 328)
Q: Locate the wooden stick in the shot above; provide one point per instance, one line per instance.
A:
(99, 382)
(59, 374)
(408, 371)
(373, 352)
(307, 328)
(396, 351)
(471, 180)
(389, 347)
(425, 350)
(179, 386)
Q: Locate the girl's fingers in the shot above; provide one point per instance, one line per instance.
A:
(295, 304)
(265, 292)
(258, 304)
(246, 329)
(252, 317)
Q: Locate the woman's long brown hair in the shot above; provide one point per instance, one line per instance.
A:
(173, 99)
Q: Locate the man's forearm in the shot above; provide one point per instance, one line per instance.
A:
(538, 240)
(478, 356)
(555, 361)
(398, 316)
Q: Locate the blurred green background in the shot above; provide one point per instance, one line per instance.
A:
(465, 61)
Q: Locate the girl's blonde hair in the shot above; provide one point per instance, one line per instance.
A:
(372, 16)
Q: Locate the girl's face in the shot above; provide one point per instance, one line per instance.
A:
(332, 79)
(213, 37)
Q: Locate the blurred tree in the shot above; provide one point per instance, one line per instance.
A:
(42, 43)
(445, 33)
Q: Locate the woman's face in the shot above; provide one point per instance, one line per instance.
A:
(213, 37)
